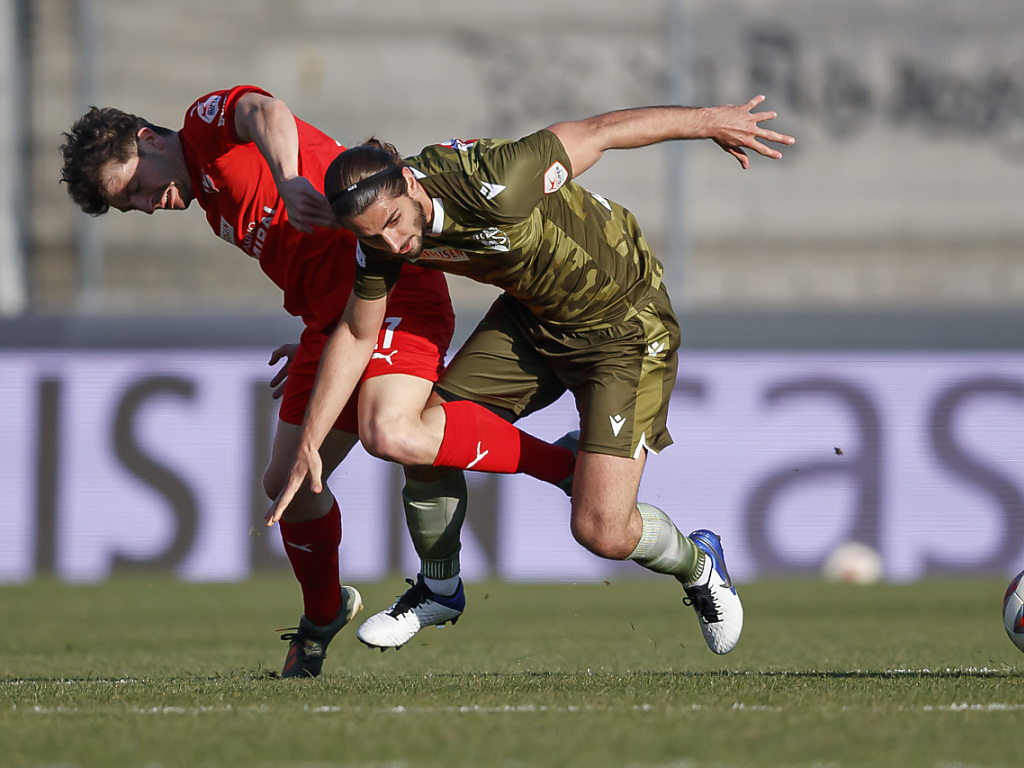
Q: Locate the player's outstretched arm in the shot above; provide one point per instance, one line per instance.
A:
(735, 128)
(345, 357)
(268, 123)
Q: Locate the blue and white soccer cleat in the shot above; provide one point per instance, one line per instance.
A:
(716, 603)
(416, 609)
(307, 645)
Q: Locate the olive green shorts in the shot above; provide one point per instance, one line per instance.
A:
(621, 377)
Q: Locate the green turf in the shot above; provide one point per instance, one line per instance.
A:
(158, 673)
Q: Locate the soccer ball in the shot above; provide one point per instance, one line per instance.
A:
(853, 562)
(1013, 611)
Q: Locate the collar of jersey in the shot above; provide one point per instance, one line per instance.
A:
(438, 225)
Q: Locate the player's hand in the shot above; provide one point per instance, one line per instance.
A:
(286, 351)
(306, 464)
(736, 128)
(306, 207)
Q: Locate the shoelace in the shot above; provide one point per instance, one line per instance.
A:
(294, 636)
(703, 601)
(415, 596)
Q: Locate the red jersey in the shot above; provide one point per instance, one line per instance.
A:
(232, 183)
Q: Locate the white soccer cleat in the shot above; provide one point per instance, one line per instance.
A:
(716, 603)
(416, 609)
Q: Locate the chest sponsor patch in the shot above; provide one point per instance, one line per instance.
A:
(442, 254)
(554, 178)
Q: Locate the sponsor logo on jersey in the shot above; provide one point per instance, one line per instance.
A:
(227, 232)
(247, 240)
(554, 178)
(208, 186)
(256, 237)
(491, 191)
(617, 422)
(655, 348)
(493, 238)
(442, 254)
(207, 110)
(458, 144)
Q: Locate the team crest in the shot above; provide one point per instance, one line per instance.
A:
(207, 110)
(493, 238)
(554, 178)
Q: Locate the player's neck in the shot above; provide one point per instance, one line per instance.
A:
(172, 144)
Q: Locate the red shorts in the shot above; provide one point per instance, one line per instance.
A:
(413, 340)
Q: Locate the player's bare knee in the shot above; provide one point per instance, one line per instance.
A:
(391, 442)
(383, 445)
(595, 536)
(273, 482)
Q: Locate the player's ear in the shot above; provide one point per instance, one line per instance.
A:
(149, 137)
(410, 180)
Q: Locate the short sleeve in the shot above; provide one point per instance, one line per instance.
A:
(375, 274)
(210, 121)
(520, 174)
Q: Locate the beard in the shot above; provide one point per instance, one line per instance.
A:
(420, 222)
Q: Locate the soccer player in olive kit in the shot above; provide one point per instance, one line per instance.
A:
(257, 172)
(583, 309)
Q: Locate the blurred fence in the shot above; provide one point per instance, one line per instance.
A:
(904, 186)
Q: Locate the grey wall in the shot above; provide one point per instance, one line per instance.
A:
(904, 189)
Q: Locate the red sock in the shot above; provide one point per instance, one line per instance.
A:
(475, 438)
(312, 548)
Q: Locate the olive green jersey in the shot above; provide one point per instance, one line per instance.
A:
(508, 214)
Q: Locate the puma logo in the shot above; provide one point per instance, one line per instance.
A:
(479, 456)
(382, 356)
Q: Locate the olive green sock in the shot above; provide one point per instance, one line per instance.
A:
(434, 513)
(663, 549)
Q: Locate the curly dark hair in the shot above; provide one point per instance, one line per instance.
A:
(101, 135)
(359, 175)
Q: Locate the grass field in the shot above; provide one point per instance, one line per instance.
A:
(159, 673)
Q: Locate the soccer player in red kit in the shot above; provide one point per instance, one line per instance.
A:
(257, 171)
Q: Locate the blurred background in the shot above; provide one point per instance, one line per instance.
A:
(853, 315)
